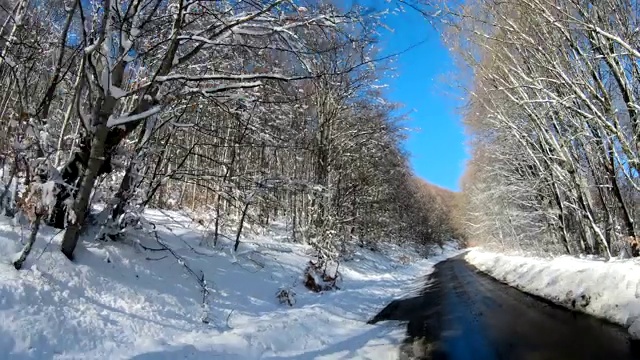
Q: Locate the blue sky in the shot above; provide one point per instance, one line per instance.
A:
(437, 148)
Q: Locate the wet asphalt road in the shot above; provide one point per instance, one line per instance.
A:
(464, 314)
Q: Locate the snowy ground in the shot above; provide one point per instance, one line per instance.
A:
(119, 301)
(606, 289)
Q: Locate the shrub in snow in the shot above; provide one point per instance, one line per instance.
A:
(38, 202)
(404, 260)
(317, 279)
(286, 296)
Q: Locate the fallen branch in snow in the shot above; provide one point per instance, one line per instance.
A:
(199, 277)
(149, 248)
(248, 257)
(259, 265)
(270, 246)
(205, 295)
(179, 258)
(249, 271)
(186, 243)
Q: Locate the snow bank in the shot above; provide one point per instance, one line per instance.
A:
(606, 289)
(118, 300)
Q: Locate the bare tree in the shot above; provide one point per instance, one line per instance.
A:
(554, 122)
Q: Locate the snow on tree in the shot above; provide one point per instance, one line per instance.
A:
(553, 115)
(245, 113)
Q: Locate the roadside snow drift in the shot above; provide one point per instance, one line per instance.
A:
(606, 289)
(122, 301)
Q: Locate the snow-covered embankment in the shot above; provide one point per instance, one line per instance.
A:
(605, 289)
(121, 300)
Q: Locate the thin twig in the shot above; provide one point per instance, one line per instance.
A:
(149, 248)
(48, 243)
(228, 317)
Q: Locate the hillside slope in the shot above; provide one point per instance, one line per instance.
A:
(120, 300)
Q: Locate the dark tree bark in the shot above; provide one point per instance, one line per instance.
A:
(35, 227)
(81, 203)
(244, 214)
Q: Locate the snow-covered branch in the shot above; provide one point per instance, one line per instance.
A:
(116, 121)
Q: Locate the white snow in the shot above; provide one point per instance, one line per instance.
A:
(90, 49)
(605, 289)
(117, 300)
(116, 121)
(117, 92)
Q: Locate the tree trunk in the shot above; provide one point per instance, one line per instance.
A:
(68, 113)
(73, 172)
(627, 218)
(17, 16)
(5, 192)
(216, 230)
(123, 195)
(564, 237)
(124, 191)
(35, 227)
(81, 204)
(244, 214)
(10, 208)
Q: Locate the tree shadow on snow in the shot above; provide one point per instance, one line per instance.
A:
(185, 352)
(345, 349)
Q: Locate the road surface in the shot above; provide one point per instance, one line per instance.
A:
(464, 314)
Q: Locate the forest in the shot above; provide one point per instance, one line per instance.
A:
(247, 113)
(553, 116)
(240, 113)
(239, 179)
